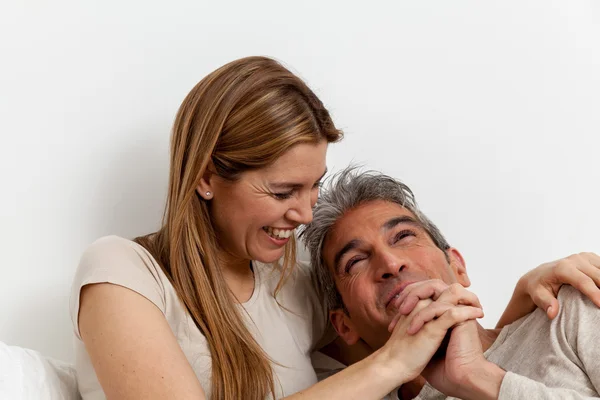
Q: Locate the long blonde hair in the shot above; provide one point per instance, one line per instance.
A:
(242, 116)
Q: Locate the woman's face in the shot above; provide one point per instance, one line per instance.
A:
(256, 215)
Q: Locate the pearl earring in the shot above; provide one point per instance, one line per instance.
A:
(208, 194)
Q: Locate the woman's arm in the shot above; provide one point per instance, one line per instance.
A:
(539, 287)
(135, 354)
(132, 348)
(402, 358)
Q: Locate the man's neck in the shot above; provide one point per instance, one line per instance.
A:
(487, 337)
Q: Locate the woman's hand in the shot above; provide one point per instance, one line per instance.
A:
(416, 337)
(582, 271)
(434, 289)
(539, 287)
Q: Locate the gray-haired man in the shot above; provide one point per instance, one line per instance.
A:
(368, 241)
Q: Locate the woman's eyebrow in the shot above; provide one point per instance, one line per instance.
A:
(292, 185)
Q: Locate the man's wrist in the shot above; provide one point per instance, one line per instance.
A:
(484, 383)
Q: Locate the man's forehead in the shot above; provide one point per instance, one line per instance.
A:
(355, 223)
(373, 214)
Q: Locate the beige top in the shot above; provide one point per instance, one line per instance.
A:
(547, 359)
(288, 337)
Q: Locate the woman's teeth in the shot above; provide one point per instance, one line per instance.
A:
(278, 233)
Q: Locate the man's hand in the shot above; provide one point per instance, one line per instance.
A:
(464, 372)
(434, 289)
(413, 352)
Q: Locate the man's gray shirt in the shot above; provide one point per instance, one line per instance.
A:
(548, 359)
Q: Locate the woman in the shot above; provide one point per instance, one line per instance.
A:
(213, 305)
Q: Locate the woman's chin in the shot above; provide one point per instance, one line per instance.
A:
(270, 256)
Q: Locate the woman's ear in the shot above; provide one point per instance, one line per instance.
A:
(206, 186)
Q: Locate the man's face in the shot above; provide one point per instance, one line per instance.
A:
(374, 251)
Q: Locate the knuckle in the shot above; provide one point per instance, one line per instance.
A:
(421, 304)
(589, 256)
(455, 289)
(454, 313)
(588, 284)
(563, 267)
(572, 256)
(540, 295)
(439, 282)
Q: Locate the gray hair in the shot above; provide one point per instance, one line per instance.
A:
(341, 193)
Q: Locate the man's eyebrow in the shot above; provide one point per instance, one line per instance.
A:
(353, 244)
(292, 185)
(405, 219)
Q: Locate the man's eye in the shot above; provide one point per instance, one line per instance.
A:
(283, 196)
(402, 235)
(351, 262)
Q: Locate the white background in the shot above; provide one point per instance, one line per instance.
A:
(490, 111)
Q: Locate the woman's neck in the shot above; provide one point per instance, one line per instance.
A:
(238, 275)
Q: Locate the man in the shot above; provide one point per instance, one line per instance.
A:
(369, 242)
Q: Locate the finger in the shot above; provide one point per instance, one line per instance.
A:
(544, 298)
(456, 294)
(591, 271)
(420, 305)
(570, 269)
(454, 316)
(589, 288)
(409, 304)
(592, 258)
(429, 313)
(394, 322)
(410, 296)
(582, 275)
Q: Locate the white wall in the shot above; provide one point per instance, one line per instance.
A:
(489, 110)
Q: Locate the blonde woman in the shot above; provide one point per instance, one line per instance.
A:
(214, 305)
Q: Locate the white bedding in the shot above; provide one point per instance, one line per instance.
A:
(28, 375)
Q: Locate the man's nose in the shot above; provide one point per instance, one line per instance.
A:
(389, 265)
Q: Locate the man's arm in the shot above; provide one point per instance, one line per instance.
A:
(519, 387)
(490, 382)
(484, 380)
(465, 373)
(578, 322)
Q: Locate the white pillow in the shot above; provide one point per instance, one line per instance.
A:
(26, 374)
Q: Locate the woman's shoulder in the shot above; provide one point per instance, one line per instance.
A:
(120, 261)
(117, 254)
(111, 247)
